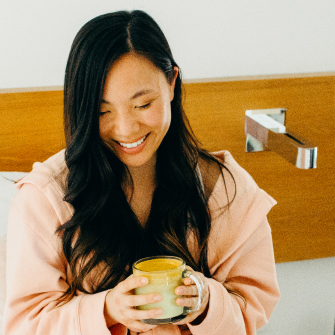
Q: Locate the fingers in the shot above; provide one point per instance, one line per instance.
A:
(137, 300)
(188, 281)
(187, 302)
(190, 297)
(120, 303)
(131, 283)
(136, 327)
(187, 290)
(189, 293)
(136, 314)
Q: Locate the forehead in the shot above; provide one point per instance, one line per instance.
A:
(130, 74)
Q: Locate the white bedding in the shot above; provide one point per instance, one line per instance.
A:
(7, 192)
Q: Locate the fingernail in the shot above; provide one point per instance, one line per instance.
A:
(180, 301)
(159, 312)
(144, 281)
(157, 297)
(180, 291)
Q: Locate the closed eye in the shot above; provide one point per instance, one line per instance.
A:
(143, 106)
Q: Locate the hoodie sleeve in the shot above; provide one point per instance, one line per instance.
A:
(240, 256)
(36, 275)
(252, 274)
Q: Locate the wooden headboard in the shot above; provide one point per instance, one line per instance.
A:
(303, 222)
(31, 126)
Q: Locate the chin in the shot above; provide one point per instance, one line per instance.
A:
(137, 162)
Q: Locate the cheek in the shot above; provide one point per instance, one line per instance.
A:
(104, 129)
(160, 117)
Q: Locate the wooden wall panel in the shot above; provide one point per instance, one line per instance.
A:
(303, 222)
(31, 128)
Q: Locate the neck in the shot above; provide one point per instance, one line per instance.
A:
(144, 175)
(140, 192)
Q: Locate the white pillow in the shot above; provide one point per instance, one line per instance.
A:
(7, 192)
(2, 279)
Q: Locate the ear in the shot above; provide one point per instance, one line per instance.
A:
(172, 85)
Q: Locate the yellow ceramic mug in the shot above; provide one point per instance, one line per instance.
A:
(165, 273)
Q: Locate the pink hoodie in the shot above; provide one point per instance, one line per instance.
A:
(240, 255)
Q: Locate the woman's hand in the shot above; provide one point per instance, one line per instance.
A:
(190, 290)
(120, 302)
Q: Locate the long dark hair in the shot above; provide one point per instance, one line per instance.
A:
(104, 234)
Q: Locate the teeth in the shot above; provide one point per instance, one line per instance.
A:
(133, 145)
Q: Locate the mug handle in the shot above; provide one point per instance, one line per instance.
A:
(200, 286)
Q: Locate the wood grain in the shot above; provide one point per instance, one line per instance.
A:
(303, 221)
(31, 126)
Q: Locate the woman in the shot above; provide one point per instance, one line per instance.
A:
(133, 182)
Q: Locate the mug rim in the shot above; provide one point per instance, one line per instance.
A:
(156, 257)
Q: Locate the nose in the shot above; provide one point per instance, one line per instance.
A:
(126, 124)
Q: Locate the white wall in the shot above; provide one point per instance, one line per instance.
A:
(219, 39)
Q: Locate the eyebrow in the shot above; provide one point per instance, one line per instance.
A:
(136, 95)
(140, 93)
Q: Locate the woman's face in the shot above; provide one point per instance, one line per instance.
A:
(135, 112)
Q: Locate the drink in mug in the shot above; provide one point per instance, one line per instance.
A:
(165, 273)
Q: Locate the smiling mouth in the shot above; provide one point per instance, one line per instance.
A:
(133, 145)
